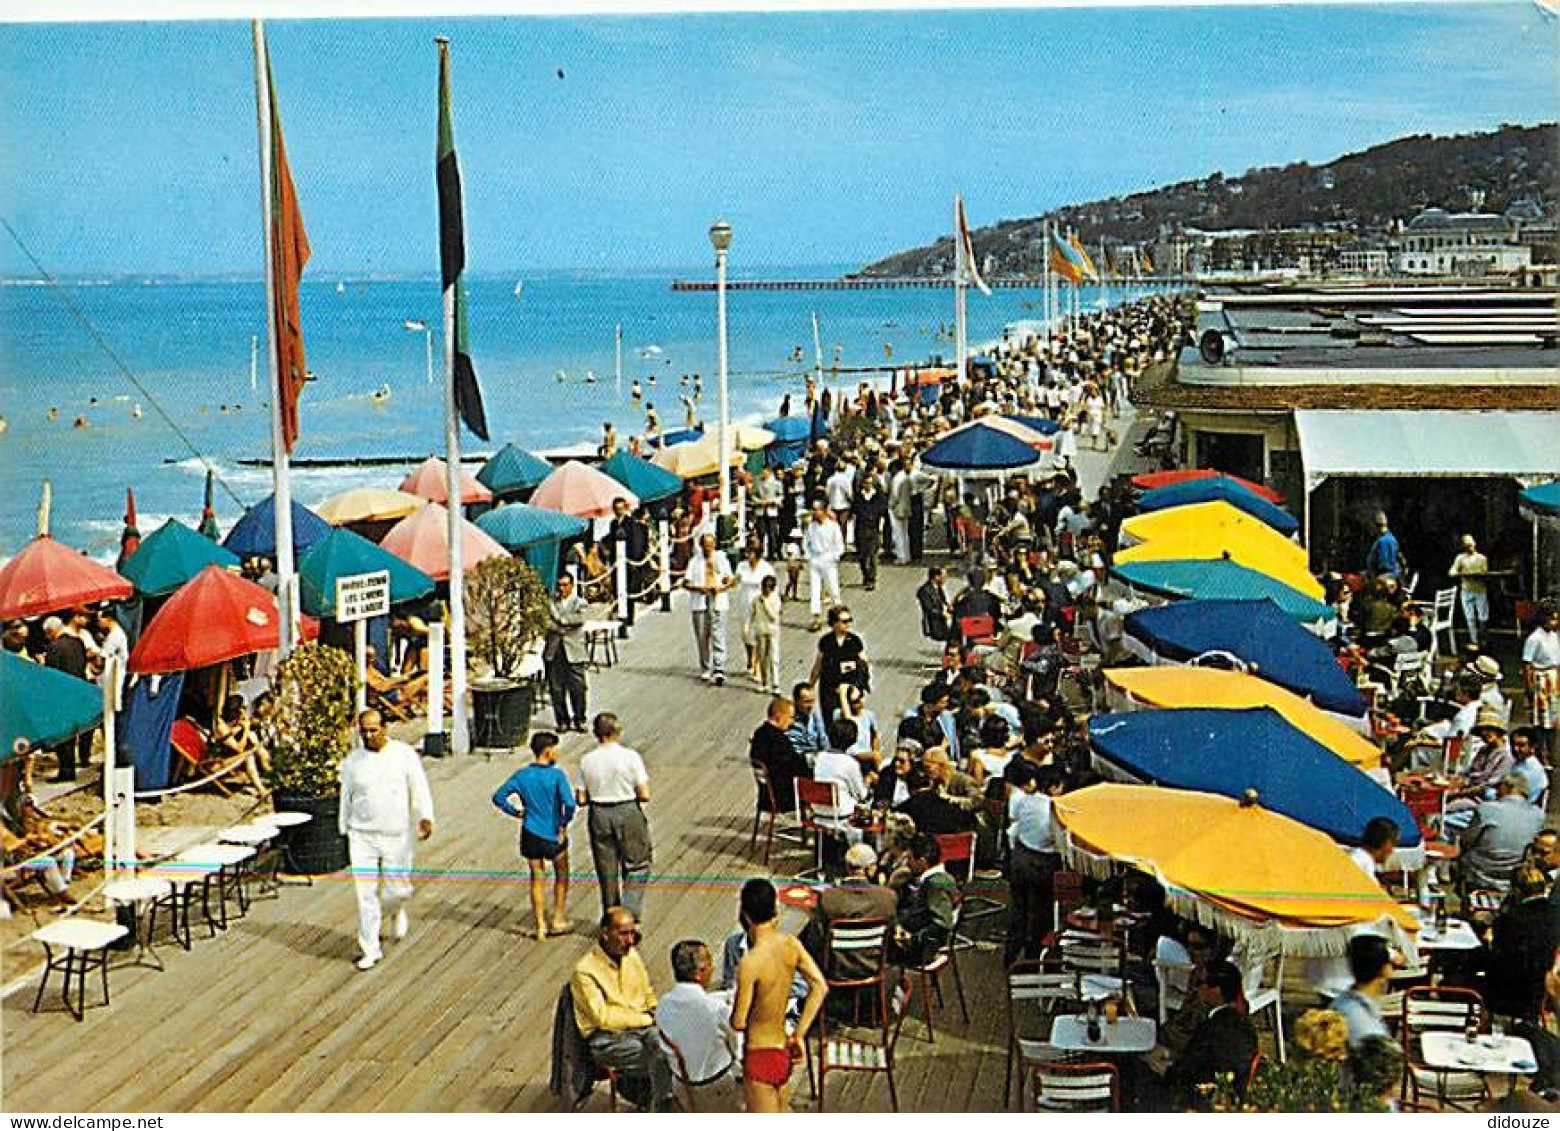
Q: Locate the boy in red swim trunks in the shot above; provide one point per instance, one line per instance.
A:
(763, 989)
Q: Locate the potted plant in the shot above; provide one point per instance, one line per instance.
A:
(506, 612)
(315, 690)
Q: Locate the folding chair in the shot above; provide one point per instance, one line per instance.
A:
(199, 757)
(850, 1054)
(1048, 988)
(978, 631)
(1440, 1008)
(1077, 1087)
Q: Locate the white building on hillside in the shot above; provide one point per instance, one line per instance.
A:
(1467, 244)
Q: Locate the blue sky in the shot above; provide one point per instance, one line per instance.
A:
(823, 137)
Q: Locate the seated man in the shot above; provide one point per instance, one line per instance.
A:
(932, 813)
(1523, 939)
(1224, 1042)
(834, 765)
(1494, 843)
(857, 896)
(928, 899)
(772, 748)
(614, 1008)
(697, 1024)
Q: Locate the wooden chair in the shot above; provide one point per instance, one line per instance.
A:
(1440, 1008)
(857, 939)
(1047, 988)
(1077, 1087)
(851, 1054)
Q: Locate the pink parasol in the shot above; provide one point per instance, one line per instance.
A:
(422, 538)
(48, 576)
(430, 480)
(582, 491)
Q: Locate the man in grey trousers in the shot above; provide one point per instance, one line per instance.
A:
(615, 788)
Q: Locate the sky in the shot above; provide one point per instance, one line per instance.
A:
(613, 142)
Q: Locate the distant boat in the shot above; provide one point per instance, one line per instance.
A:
(561, 376)
(590, 376)
(519, 286)
(341, 288)
(652, 350)
(380, 395)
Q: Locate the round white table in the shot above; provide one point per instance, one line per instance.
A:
(1070, 1033)
(224, 864)
(141, 894)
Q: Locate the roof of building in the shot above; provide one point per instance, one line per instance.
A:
(1437, 218)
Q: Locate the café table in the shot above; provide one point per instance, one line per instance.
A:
(1488, 1055)
(1070, 1033)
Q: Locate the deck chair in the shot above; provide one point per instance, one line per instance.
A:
(198, 757)
(394, 697)
(1441, 617)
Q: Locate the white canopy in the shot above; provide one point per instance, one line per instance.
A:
(1436, 444)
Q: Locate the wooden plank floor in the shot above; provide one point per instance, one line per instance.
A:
(272, 1015)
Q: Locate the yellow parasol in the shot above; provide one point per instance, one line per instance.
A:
(368, 504)
(1218, 530)
(693, 460)
(752, 438)
(1213, 687)
(1231, 864)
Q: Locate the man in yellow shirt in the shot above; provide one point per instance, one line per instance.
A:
(614, 1008)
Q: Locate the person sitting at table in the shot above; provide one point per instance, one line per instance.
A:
(1225, 1042)
(1524, 749)
(835, 765)
(1523, 939)
(932, 812)
(1370, 963)
(857, 896)
(1189, 954)
(1494, 844)
(771, 747)
(928, 896)
(697, 1024)
(1491, 762)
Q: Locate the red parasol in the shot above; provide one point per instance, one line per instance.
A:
(423, 539)
(215, 617)
(48, 576)
(431, 480)
(1151, 479)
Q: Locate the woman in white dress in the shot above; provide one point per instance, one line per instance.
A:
(751, 571)
(1094, 410)
(763, 630)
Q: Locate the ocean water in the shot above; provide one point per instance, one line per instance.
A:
(188, 344)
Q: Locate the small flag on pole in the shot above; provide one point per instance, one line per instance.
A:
(290, 254)
(1063, 261)
(1083, 258)
(964, 250)
(452, 256)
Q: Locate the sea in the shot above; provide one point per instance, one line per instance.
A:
(152, 383)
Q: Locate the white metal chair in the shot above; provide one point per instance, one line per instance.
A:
(1264, 994)
(1078, 1087)
(1174, 980)
(1033, 985)
(1441, 621)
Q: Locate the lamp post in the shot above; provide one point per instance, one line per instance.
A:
(414, 326)
(720, 239)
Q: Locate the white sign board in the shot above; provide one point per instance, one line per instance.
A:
(362, 596)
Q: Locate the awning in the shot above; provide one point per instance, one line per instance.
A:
(1420, 444)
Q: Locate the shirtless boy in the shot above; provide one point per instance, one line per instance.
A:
(763, 989)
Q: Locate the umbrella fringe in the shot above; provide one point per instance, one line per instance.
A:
(1262, 937)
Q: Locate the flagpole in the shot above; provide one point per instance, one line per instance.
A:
(817, 356)
(959, 268)
(460, 735)
(617, 344)
(1045, 280)
(286, 587)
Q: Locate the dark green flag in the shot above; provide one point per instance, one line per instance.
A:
(452, 255)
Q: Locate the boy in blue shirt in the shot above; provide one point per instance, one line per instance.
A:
(546, 807)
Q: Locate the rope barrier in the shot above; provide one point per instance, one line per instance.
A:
(47, 855)
(140, 795)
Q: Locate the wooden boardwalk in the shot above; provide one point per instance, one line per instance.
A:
(271, 1015)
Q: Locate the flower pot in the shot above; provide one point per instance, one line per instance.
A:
(317, 847)
(500, 713)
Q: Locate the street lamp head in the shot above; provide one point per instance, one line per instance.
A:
(720, 235)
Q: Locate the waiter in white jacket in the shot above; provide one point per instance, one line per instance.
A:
(383, 790)
(824, 545)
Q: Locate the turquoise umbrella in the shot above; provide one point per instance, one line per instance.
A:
(535, 532)
(40, 706)
(172, 555)
(513, 469)
(643, 478)
(342, 553)
(1222, 580)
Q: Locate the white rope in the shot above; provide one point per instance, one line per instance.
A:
(48, 854)
(147, 795)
